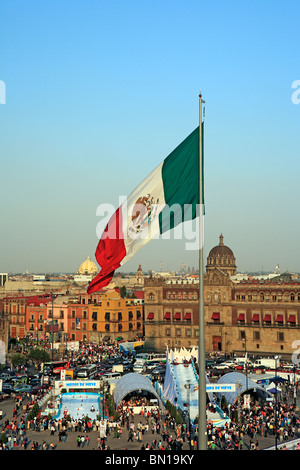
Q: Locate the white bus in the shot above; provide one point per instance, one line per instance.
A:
(141, 356)
(87, 372)
(156, 357)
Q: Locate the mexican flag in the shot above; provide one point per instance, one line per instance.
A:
(166, 198)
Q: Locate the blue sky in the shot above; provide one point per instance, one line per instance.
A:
(98, 93)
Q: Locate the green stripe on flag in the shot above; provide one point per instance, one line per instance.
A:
(180, 175)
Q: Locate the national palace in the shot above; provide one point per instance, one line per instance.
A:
(259, 316)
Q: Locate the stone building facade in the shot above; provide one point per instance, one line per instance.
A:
(261, 317)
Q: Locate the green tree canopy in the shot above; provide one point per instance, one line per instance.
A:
(18, 359)
(39, 355)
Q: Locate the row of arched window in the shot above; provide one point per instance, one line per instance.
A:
(177, 295)
(268, 296)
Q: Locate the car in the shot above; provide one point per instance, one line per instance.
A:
(259, 368)
(36, 389)
(138, 368)
(5, 376)
(23, 388)
(289, 367)
(102, 372)
(111, 375)
(151, 366)
(7, 388)
(37, 376)
(4, 396)
(240, 366)
(230, 363)
(34, 382)
(221, 366)
(156, 372)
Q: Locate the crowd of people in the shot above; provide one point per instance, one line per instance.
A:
(153, 428)
(15, 429)
(279, 420)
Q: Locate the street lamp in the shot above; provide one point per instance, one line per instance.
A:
(188, 387)
(294, 388)
(239, 387)
(246, 359)
(275, 424)
(103, 399)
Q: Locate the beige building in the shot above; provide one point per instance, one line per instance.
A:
(260, 316)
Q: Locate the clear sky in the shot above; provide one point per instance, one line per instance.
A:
(99, 92)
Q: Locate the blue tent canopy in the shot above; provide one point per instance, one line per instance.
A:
(246, 384)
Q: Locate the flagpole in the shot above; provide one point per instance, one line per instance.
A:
(202, 425)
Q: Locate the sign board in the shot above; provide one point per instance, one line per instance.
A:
(247, 401)
(102, 428)
(72, 345)
(77, 384)
(219, 388)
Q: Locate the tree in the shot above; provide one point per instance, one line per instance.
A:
(123, 292)
(39, 355)
(33, 412)
(18, 359)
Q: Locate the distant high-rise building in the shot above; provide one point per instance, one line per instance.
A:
(3, 279)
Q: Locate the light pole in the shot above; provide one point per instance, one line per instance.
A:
(187, 386)
(246, 360)
(275, 423)
(103, 399)
(202, 422)
(239, 386)
(294, 388)
(52, 327)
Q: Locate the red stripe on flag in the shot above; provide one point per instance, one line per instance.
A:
(109, 252)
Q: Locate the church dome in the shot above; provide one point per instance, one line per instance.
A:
(221, 250)
(222, 257)
(88, 267)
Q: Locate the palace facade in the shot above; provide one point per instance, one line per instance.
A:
(259, 316)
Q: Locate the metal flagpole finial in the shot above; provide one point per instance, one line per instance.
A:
(200, 96)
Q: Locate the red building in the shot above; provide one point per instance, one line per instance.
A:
(16, 307)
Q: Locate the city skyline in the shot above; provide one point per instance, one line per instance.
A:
(98, 94)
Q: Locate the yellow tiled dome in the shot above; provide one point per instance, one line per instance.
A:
(88, 267)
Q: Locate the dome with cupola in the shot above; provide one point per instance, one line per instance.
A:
(222, 257)
(88, 268)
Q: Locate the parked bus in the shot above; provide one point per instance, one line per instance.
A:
(156, 357)
(141, 356)
(87, 372)
(55, 367)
